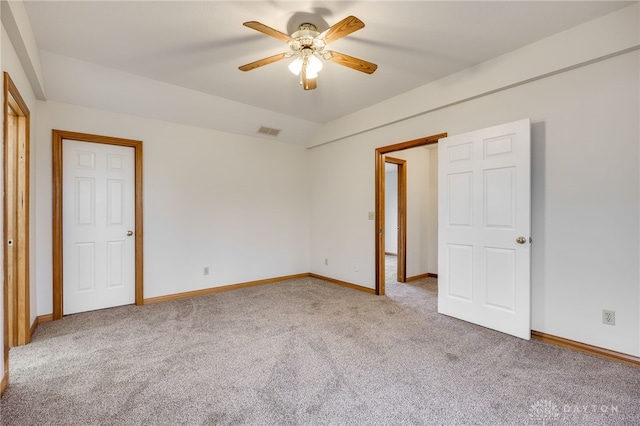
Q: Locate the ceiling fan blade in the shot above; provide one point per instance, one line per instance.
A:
(268, 31)
(307, 83)
(345, 27)
(312, 83)
(350, 61)
(265, 61)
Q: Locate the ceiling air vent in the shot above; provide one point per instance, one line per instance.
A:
(268, 131)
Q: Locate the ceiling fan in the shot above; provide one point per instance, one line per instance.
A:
(308, 45)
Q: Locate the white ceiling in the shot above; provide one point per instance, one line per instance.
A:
(200, 44)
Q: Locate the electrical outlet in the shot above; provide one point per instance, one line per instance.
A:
(608, 317)
(356, 267)
(205, 270)
(326, 261)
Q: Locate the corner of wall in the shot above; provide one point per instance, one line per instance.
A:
(18, 27)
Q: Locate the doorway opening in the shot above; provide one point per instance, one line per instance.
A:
(380, 177)
(58, 137)
(395, 229)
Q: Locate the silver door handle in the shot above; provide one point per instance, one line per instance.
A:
(521, 240)
(129, 233)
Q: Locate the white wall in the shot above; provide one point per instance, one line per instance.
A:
(611, 34)
(342, 188)
(236, 204)
(585, 194)
(73, 81)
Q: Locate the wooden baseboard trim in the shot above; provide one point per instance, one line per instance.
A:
(589, 349)
(417, 277)
(344, 284)
(33, 327)
(39, 320)
(45, 318)
(211, 290)
(4, 384)
(421, 276)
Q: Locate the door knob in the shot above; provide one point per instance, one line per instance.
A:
(521, 240)
(129, 233)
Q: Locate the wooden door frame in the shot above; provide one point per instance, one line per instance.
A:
(57, 137)
(19, 295)
(379, 185)
(402, 216)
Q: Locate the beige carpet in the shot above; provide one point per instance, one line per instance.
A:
(305, 352)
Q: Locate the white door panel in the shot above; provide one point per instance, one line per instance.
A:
(484, 206)
(98, 211)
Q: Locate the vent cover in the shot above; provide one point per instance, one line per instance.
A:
(268, 131)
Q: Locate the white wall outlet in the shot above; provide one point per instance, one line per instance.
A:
(356, 267)
(372, 215)
(608, 317)
(326, 261)
(205, 270)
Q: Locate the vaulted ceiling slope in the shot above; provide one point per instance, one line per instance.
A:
(178, 60)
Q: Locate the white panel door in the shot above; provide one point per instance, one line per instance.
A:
(98, 226)
(484, 255)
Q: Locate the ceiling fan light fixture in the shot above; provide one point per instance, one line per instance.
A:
(311, 73)
(307, 46)
(296, 66)
(314, 64)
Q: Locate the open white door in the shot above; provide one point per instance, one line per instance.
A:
(484, 255)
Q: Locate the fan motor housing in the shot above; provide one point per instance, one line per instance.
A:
(306, 37)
